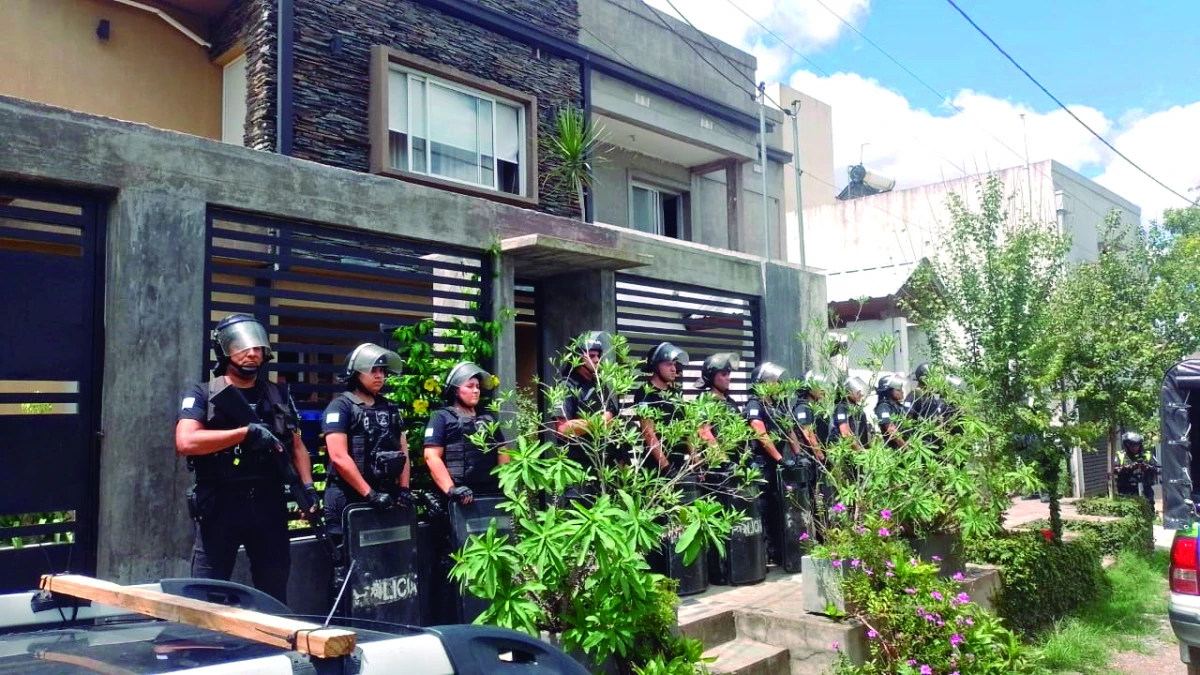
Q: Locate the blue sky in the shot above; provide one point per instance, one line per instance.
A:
(1131, 70)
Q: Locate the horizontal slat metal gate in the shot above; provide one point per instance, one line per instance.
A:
(702, 321)
(52, 281)
(321, 291)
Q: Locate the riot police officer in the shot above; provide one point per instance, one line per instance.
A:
(1136, 469)
(460, 469)
(764, 412)
(714, 379)
(585, 397)
(923, 403)
(364, 434)
(849, 420)
(659, 402)
(889, 410)
(812, 428)
(238, 499)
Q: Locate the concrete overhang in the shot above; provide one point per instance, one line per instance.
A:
(537, 256)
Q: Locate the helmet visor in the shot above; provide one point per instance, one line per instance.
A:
(769, 373)
(368, 357)
(855, 385)
(463, 372)
(241, 336)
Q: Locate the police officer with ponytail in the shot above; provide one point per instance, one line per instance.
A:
(659, 402)
(461, 469)
(238, 499)
(364, 434)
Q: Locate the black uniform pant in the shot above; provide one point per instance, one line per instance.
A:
(254, 516)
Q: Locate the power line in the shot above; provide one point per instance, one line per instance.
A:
(1062, 105)
(781, 40)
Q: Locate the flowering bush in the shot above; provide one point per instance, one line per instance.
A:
(917, 623)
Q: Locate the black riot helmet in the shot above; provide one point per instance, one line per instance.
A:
(591, 341)
(725, 362)
(767, 373)
(922, 372)
(236, 333)
(889, 383)
(367, 357)
(460, 374)
(855, 385)
(664, 352)
(1131, 442)
(813, 381)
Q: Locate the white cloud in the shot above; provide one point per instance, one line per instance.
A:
(916, 146)
(803, 24)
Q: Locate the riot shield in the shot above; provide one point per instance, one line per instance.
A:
(383, 547)
(796, 513)
(473, 519)
(664, 560)
(745, 560)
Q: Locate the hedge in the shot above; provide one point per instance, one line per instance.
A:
(1041, 582)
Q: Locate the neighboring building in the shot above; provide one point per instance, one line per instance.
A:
(393, 173)
(901, 226)
(815, 126)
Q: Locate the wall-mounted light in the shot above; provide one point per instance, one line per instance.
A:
(103, 30)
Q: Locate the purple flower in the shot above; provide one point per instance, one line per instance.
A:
(911, 662)
(803, 536)
(936, 558)
(958, 576)
(834, 646)
(926, 670)
(883, 532)
(890, 574)
(872, 634)
(936, 595)
(956, 640)
(838, 507)
(860, 529)
(836, 563)
(913, 561)
(854, 562)
(910, 591)
(969, 621)
(890, 564)
(964, 598)
(885, 514)
(868, 572)
(941, 623)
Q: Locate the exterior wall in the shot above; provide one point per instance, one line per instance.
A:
(163, 184)
(815, 125)
(620, 166)
(145, 72)
(905, 225)
(632, 32)
(249, 26)
(751, 230)
(332, 90)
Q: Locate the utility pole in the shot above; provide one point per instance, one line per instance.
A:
(805, 309)
(762, 162)
(1028, 167)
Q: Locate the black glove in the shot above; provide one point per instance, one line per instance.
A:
(379, 500)
(788, 463)
(259, 437)
(404, 497)
(459, 493)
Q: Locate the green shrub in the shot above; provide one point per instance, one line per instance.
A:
(1135, 532)
(1041, 582)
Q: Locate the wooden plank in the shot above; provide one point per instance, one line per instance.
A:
(300, 636)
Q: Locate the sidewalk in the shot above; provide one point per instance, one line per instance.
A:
(1025, 511)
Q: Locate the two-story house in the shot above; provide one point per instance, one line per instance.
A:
(395, 170)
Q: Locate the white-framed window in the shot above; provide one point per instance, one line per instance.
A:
(655, 210)
(233, 101)
(456, 133)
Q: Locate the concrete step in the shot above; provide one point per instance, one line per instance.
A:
(808, 639)
(747, 657)
(712, 626)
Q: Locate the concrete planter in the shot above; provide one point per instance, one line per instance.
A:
(945, 545)
(821, 586)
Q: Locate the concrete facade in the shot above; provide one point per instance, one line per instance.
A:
(815, 159)
(160, 187)
(906, 225)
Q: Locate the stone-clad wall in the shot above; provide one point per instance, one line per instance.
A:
(250, 24)
(332, 83)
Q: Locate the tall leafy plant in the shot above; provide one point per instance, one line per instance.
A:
(574, 147)
(577, 569)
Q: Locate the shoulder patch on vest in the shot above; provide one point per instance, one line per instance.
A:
(428, 432)
(188, 403)
(333, 418)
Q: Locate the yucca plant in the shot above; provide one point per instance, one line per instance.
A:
(574, 146)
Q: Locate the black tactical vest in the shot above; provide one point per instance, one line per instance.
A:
(374, 431)
(468, 465)
(233, 465)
